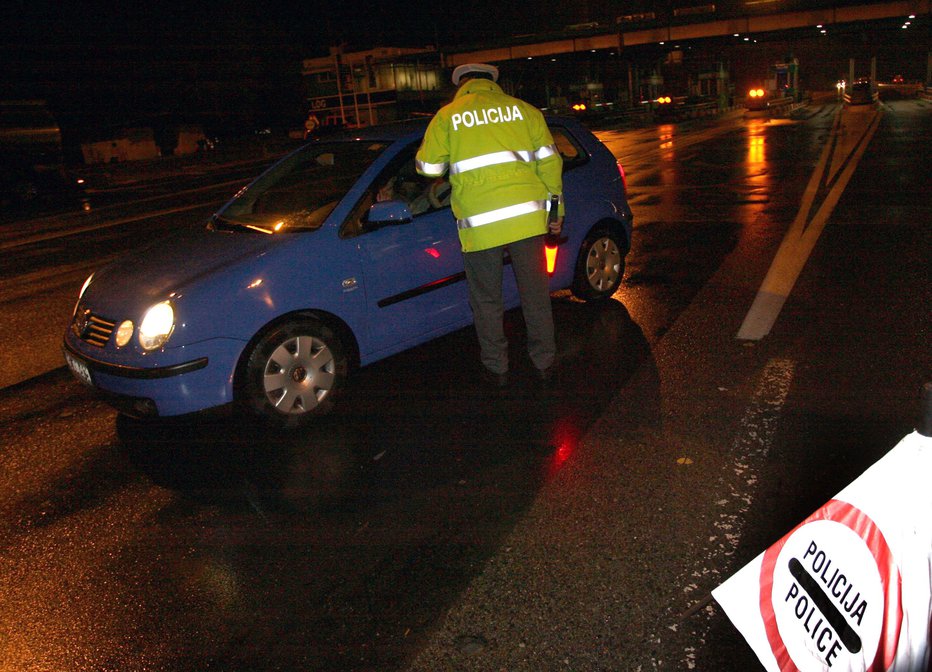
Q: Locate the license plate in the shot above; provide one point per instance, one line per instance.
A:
(79, 369)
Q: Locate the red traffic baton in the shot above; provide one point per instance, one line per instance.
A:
(552, 241)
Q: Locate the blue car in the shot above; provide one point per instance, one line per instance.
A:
(337, 256)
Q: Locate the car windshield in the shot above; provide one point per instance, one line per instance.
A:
(298, 193)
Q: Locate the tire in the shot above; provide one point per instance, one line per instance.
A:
(292, 372)
(600, 266)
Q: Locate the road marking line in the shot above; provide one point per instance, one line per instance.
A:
(747, 456)
(101, 225)
(750, 450)
(803, 234)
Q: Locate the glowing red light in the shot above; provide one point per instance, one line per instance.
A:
(551, 254)
(564, 439)
(563, 453)
(433, 252)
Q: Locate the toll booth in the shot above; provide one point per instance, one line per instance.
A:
(785, 79)
(714, 84)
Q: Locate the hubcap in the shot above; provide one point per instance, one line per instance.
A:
(299, 374)
(603, 264)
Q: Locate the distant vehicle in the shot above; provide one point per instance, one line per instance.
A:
(776, 89)
(665, 106)
(759, 99)
(862, 92)
(339, 255)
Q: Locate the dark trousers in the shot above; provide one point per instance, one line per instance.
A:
(484, 277)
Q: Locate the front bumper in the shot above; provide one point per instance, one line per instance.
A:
(139, 372)
(202, 378)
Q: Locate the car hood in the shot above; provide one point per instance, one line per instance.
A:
(171, 266)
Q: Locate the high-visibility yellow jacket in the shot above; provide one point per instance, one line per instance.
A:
(503, 165)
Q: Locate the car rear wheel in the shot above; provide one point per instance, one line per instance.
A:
(600, 266)
(292, 373)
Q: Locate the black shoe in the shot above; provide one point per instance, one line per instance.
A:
(494, 379)
(545, 375)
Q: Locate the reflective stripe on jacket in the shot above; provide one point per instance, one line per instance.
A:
(502, 161)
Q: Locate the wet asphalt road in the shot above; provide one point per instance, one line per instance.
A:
(428, 526)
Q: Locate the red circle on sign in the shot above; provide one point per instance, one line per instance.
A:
(861, 524)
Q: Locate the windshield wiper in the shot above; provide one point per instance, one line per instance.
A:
(218, 223)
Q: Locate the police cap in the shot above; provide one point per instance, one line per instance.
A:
(473, 68)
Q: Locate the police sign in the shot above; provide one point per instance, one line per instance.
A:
(849, 587)
(829, 591)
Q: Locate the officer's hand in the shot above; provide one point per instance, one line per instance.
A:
(555, 227)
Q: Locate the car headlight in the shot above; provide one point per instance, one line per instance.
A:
(157, 326)
(124, 333)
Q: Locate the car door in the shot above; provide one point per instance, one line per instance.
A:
(414, 280)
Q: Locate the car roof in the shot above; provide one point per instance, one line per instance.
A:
(399, 130)
(387, 132)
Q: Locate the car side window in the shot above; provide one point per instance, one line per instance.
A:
(421, 194)
(400, 182)
(573, 155)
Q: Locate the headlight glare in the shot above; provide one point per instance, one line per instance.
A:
(157, 325)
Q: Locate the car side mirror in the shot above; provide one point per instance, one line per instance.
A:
(386, 213)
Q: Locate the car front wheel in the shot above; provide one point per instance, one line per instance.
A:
(600, 266)
(292, 373)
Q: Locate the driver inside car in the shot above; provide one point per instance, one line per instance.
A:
(420, 194)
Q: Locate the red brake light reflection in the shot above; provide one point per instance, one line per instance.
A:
(624, 179)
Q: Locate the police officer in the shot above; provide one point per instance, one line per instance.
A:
(504, 168)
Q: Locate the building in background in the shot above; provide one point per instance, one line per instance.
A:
(363, 88)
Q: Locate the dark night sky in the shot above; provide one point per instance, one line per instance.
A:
(307, 25)
(112, 63)
(109, 63)
(310, 26)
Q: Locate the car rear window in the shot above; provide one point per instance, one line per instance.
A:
(571, 151)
